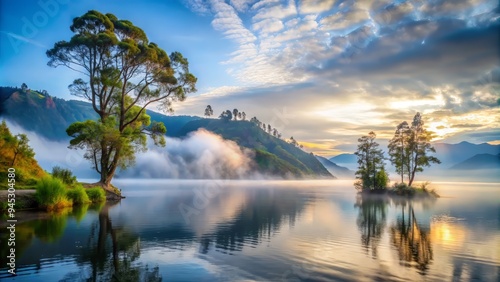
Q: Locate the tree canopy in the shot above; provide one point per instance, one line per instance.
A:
(371, 170)
(123, 73)
(409, 149)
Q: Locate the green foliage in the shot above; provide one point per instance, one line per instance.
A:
(77, 195)
(21, 148)
(15, 153)
(51, 193)
(402, 189)
(409, 149)
(96, 194)
(65, 175)
(371, 172)
(271, 164)
(123, 62)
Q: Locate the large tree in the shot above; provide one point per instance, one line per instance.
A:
(123, 74)
(418, 148)
(409, 149)
(398, 148)
(371, 170)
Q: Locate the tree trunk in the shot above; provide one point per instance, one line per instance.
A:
(14, 160)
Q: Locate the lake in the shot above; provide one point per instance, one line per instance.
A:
(264, 231)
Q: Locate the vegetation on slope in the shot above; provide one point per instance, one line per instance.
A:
(274, 150)
(16, 153)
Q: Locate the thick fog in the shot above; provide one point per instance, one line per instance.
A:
(201, 155)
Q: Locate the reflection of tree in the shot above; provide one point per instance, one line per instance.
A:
(371, 220)
(111, 252)
(260, 218)
(411, 240)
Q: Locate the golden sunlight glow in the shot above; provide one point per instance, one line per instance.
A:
(448, 234)
(359, 113)
(412, 104)
(441, 130)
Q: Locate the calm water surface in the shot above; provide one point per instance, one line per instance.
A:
(264, 231)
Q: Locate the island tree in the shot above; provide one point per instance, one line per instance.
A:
(123, 73)
(398, 148)
(410, 147)
(371, 170)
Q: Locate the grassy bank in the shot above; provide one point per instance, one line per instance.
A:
(53, 194)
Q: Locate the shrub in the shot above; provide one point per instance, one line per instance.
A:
(77, 195)
(51, 193)
(96, 194)
(64, 174)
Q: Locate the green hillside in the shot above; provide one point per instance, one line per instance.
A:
(271, 152)
(50, 116)
(12, 156)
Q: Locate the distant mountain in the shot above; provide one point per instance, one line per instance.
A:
(451, 154)
(336, 170)
(479, 161)
(448, 154)
(271, 150)
(50, 116)
(344, 159)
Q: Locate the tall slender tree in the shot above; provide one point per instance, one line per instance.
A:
(235, 114)
(123, 74)
(418, 148)
(398, 148)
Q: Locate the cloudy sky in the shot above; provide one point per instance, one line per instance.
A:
(323, 71)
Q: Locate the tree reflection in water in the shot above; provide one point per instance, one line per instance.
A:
(371, 220)
(111, 251)
(410, 239)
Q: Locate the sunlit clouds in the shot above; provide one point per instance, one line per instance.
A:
(350, 67)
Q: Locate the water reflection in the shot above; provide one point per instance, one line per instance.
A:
(412, 240)
(261, 234)
(371, 220)
(111, 251)
(258, 219)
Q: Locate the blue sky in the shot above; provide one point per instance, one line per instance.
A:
(323, 71)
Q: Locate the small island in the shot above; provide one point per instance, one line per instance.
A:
(408, 152)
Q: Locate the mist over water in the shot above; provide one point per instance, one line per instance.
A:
(200, 155)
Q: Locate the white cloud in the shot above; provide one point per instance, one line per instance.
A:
(316, 6)
(277, 11)
(241, 5)
(268, 26)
